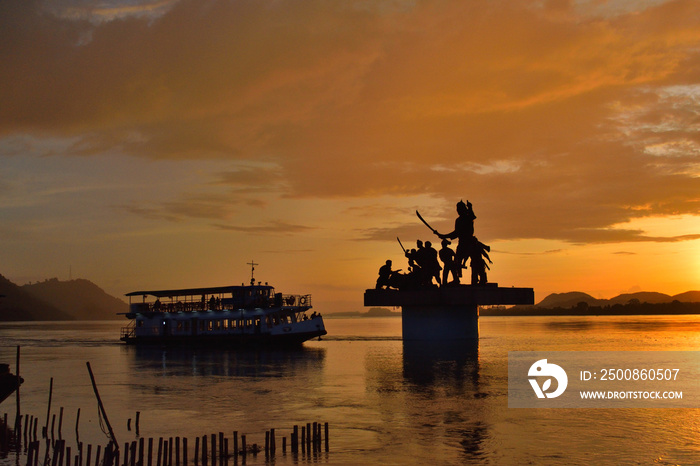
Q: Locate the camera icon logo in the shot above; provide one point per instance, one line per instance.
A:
(541, 369)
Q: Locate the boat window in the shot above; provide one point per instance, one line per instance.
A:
(209, 325)
(225, 322)
(187, 326)
(179, 325)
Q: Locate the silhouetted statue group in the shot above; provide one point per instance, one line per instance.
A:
(423, 265)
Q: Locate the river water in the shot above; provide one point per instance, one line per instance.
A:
(386, 402)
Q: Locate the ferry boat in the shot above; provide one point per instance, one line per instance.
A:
(252, 315)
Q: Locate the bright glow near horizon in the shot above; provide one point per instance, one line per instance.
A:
(150, 144)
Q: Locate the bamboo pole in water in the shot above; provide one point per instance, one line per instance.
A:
(48, 410)
(77, 424)
(221, 449)
(177, 451)
(101, 406)
(141, 451)
(150, 451)
(18, 416)
(160, 451)
(60, 423)
(213, 449)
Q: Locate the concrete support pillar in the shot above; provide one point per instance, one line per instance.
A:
(440, 322)
(449, 313)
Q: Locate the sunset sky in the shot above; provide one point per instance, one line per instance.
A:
(166, 143)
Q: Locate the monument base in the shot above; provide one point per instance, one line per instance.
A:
(440, 323)
(446, 313)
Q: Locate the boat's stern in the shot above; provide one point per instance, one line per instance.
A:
(305, 329)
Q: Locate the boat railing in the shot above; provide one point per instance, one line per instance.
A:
(187, 306)
(296, 300)
(226, 304)
(129, 331)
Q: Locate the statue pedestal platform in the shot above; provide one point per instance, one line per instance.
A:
(446, 313)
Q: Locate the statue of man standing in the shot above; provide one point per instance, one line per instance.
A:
(463, 232)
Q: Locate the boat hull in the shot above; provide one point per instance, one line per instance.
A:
(8, 382)
(228, 340)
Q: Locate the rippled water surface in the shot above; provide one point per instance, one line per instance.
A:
(386, 401)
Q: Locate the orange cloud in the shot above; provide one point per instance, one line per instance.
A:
(519, 107)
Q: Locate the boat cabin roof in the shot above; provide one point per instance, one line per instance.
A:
(199, 291)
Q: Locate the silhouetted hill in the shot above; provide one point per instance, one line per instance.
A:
(577, 303)
(381, 312)
(570, 299)
(688, 297)
(575, 298)
(643, 297)
(81, 299)
(18, 305)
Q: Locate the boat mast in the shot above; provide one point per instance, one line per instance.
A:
(252, 265)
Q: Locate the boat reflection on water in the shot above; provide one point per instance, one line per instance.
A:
(454, 362)
(202, 361)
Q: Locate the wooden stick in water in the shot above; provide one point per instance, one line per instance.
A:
(101, 406)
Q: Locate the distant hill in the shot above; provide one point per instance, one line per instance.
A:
(566, 300)
(574, 298)
(372, 312)
(19, 305)
(688, 297)
(577, 303)
(643, 297)
(80, 299)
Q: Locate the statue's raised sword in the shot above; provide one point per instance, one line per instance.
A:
(426, 223)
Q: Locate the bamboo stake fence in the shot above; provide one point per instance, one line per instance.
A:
(213, 449)
(209, 450)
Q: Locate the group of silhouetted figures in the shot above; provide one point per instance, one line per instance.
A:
(423, 265)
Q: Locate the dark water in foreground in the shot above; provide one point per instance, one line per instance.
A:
(386, 402)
